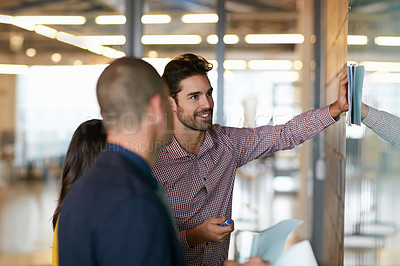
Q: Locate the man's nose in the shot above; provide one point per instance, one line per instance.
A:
(205, 102)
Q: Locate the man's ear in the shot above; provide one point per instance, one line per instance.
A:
(155, 107)
(173, 104)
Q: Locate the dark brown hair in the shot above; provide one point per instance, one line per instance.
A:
(182, 67)
(87, 142)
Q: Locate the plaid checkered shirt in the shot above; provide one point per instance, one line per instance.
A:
(200, 186)
(386, 125)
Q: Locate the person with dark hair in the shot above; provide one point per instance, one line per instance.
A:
(197, 169)
(87, 142)
(116, 213)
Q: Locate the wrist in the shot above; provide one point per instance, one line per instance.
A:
(364, 111)
(334, 110)
(194, 236)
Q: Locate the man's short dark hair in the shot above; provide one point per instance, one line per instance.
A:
(126, 87)
(182, 67)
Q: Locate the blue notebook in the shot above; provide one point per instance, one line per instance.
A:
(355, 76)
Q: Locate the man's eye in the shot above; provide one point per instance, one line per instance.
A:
(209, 93)
(193, 97)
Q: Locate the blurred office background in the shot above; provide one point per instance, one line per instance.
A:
(272, 59)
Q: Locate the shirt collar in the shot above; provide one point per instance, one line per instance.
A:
(176, 151)
(135, 159)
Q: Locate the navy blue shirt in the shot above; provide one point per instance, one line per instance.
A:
(113, 215)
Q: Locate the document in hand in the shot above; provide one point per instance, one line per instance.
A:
(269, 244)
(300, 254)
(355, 76)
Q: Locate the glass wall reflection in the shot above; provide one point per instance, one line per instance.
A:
(372, 174)
(48, 73)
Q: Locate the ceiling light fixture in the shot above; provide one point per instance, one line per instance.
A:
(110, 20)
(156, 19)
(71, 39)
(387, 41)
(200, 18)
(53, 20)
(104, 39)
(170, 39)
(270, 64)
(6, 19)
(46, 31)
(357, 40)
(384, 77)
(30, 52)
(381, 66)
(274, 38)
(231, 39)
(212, 39)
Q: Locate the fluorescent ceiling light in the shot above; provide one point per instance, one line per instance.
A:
(121, 19)
(53, 20)
(231, 39)
(384, 77)
(200, 18)
(274, 38)
(46, 31)
(110, 20)
(357, 40)
(13, 69)
(381, 66)
(104, 39)
(214, 63)
(71, 39)
(171, 39)
(212, 39)
(97, 49)
(105, 51)
(6, 19)
(24, 25)
(298, 64)
(270, 64)
(112, 53)
(387, 41)
(235, 64)
(228, 39)
(156, 19)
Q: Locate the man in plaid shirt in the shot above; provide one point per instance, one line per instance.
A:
(197, 169)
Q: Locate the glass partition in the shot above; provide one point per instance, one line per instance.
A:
(372, 188)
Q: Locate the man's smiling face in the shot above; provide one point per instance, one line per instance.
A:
(194, 103)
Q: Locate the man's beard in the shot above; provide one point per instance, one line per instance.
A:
(192, 121)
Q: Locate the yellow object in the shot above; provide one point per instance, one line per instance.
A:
(55, 246)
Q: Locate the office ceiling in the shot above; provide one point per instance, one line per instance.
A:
(243, 16)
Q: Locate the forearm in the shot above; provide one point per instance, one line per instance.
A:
(194, 236)
(386, 125)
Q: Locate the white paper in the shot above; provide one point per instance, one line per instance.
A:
(269, 244)
(300, 254)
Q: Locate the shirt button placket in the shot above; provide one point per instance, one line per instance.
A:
(207, 254)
